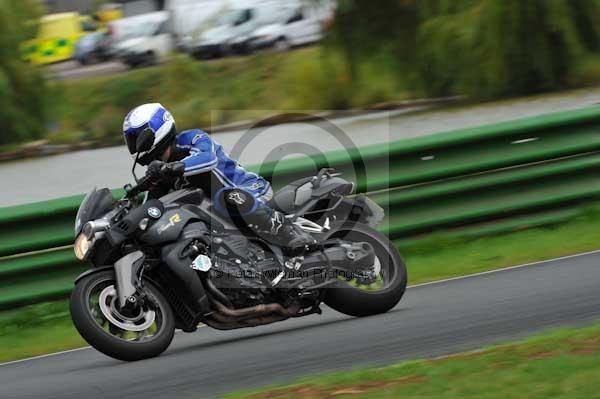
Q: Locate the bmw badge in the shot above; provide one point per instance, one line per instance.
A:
(154, 212)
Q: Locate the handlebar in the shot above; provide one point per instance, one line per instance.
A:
(142, 185)
(154, 175)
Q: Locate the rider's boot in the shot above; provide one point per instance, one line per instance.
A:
(279, 230)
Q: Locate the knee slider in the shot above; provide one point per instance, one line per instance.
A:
(236, 201)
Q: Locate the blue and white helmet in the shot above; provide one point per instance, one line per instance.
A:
(153, 119)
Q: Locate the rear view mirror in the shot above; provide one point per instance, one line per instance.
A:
(145, 141)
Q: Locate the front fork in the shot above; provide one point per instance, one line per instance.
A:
(127, 275)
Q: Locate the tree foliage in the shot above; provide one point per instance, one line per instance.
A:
(22, 86)
(483, 48)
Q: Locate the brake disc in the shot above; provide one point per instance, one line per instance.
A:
(108, 298)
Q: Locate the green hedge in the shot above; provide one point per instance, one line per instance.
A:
(481, 48)
(22, 87)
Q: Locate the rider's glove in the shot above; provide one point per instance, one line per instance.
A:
(174, 169)
(159, 169)
(155, 168)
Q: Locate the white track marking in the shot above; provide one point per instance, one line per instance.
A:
(43, 356)
(503, 269)
(411, 286)
(63, 352)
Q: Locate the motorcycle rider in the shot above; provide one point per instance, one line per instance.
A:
(236, 193)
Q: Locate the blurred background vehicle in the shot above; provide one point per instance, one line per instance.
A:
(305, 23)
(92, 48)
(56, 37)
(108, 12)
(202, 28)
(235, 25)
(192, 17)
(142, 40)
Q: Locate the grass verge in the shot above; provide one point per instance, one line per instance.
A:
(558, 364)
(444, 255)
(47, 327)
(36, 330)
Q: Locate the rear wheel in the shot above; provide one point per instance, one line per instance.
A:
(144, 331)
(389, 277)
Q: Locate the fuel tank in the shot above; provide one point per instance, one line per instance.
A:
(168, 227)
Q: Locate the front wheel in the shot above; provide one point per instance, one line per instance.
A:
(143, 331)
(358, 299)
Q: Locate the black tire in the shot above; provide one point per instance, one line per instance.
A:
(355, 302)
(111, 345)
(282, 44)
(151, 59)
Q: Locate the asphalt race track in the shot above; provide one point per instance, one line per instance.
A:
(432, 320)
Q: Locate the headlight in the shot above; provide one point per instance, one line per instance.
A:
(82, 246)
(91, 228)
(89, 232)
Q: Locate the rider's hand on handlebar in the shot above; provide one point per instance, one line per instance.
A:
(174, 169)
(155, 169)
(159, 169)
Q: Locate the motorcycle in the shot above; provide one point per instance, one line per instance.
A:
(174, 263)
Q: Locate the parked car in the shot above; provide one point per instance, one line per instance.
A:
(92, 48)
(235, 25)
(142, 40)
(304, 24)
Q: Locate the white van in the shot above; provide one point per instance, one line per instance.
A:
(191, 17)
(143, 39)
(305, 24)
(236, 24)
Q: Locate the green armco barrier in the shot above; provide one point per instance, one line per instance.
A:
(457, 153)
(37, 277)
(481, 180)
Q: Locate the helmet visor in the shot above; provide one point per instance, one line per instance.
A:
(131, 141)
(139, 138)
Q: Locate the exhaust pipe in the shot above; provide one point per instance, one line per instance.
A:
(258, 310)
(229, 319)
(253, 322)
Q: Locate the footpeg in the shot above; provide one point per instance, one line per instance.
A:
(277, 279)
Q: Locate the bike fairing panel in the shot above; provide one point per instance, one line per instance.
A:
(95, 203)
